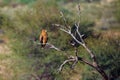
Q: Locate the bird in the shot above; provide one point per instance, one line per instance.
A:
(43, 38)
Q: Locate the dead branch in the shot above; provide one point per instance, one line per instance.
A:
(48, 46)
(81, 43)
(65, 21)
(66, 61)
(75, 62)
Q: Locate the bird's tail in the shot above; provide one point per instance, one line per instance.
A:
(42, 44)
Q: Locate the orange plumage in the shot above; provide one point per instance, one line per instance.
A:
(43, 37)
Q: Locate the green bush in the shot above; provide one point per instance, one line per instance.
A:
(109, 58)
(117, 9)
(26, 1)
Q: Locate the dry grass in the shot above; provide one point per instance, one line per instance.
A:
(111, 34)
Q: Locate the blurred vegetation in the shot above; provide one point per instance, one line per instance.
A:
(117, 9)
(24, 24)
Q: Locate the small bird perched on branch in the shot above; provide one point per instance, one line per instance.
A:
(43, 37)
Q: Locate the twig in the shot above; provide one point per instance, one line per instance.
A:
(75, 62)
(77, 26)
(48, 45)
(79, 14)
(66, 61)
(65, 21)
(65, 30)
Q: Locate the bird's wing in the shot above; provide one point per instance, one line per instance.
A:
(41, 38)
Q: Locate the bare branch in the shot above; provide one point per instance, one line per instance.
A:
(89, 51)
(76, 39)
(65, 21)
(101, 71)
(81, 43)
(48, 45)
(75, 62)
(65, 30)
(66, 61)
(58, 25)
(79, 14)
(62, 28)
(77, 26)
(86, 62)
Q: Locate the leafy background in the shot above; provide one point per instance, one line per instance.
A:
(22, 20)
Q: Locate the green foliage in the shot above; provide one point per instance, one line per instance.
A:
(6, 1)
(117, 9)
(25, 26)
(16, 2)
(109, 59)
(86, 28)
(91, 75)
(26, 1)
(4, 21)
(107, 53)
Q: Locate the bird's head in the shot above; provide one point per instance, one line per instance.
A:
(44, 30)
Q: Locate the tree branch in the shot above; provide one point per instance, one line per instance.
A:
(65, 21)
(48, 45)
(66, 61)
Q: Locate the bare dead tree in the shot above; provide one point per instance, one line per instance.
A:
(94, 64)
